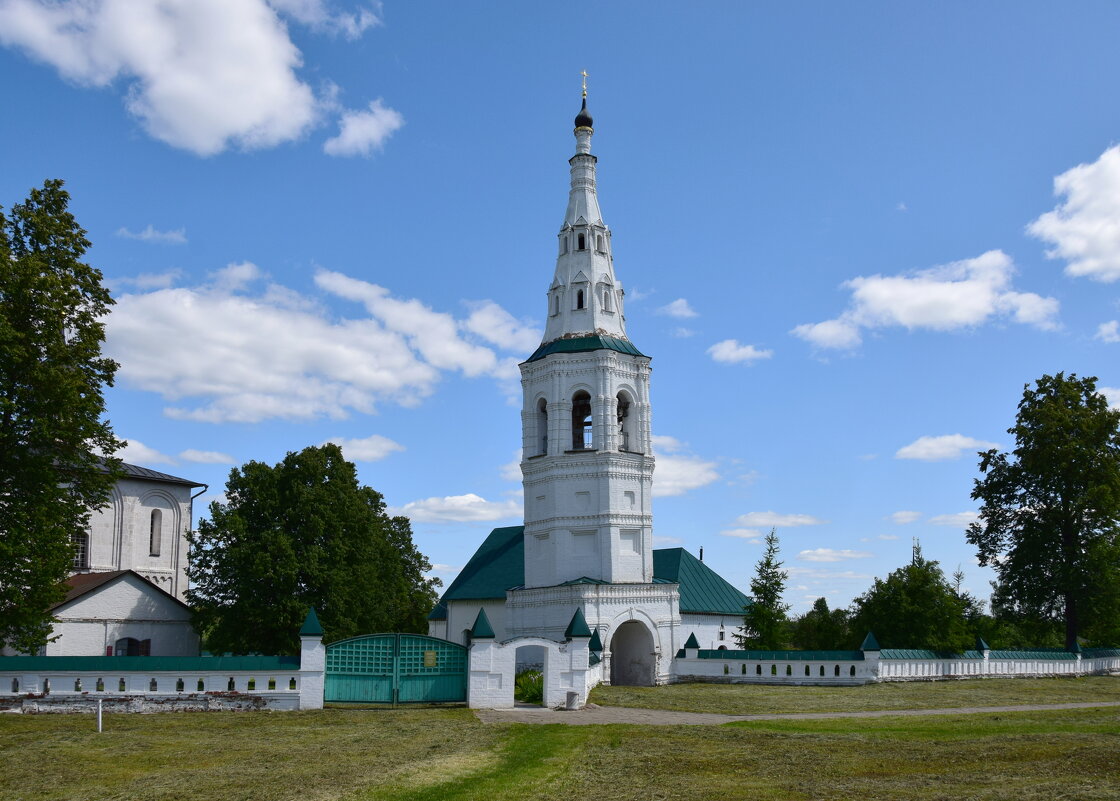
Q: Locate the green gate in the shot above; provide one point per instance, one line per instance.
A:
(395, 669)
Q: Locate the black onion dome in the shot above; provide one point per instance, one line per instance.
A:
(583, 119)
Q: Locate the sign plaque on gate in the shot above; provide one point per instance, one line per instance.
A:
(430, 659)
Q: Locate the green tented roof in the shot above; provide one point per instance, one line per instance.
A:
(499, 565)
(578, 626)
(692, 642)
(702, 589)
(870, 643)
(311, 626)
(584, 344)
(482, 630)
(144, 664)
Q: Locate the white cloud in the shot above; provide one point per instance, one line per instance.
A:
(679, 308)
(498, 327)
(373, 448)
(136, 452)
(666, 541)
(1108, 332)
(775, 520)
(1085, 228)
(317, 15)
(962, 294)
(958, 520)
(943, 448)
(439, 567)
(201, 75)
(145, 281)
(230, 351)
(730, 351)
(1112, 394)
(677, 470)
(205, 457)
(150, 234)
(751, 535)
(831, 555)
(905, 517)
(469, 508)
(818, 574)
(681, 332)
(363, 132)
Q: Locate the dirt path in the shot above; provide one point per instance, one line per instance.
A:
(599, 715)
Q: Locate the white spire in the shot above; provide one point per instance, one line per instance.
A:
(585, 298)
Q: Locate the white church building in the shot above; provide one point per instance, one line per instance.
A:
(584, 560)
(126, 594)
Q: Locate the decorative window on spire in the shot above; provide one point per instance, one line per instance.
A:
(582, 242)
(605, 297)
(599, 243)
(542, 426)
(581, 302)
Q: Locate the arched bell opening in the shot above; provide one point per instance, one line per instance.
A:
(542, 427)
(627, 438)
(632, 655)
(582, 437)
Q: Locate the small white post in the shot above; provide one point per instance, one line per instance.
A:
(98, 715)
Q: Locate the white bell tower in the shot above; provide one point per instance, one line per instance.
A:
(587, 465)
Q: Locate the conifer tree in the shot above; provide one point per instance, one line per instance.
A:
(765, 626)
(51, 408)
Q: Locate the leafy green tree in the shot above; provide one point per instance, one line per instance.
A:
(1049, 519)
(821, 628)
(51, 408)
(915, 607)
(298, 534)
(765, 626)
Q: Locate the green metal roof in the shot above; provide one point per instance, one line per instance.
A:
(692, 642)
(584, 344)
(870, 643)
(482, 630)
(702, 589)
(578, 626)
(154, 664)
(311, 626)
(499, 565)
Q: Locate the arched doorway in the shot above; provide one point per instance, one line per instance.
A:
(632, 655)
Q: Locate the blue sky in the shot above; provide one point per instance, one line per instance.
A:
(849, 235)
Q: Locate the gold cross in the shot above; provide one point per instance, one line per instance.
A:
(584, 74)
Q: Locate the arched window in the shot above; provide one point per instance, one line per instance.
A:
(542, 426)
(130, 646)
(789, 670)
(837, 671)
(625, 426)
(555, 304)
(852, 670)
(81, 550)
(563, 244)
(599, 242)
(581, 302)
(605, 297)
(582, 242)
(822, 670)
(758, 670)
(806, 670)
(581, 421)
(155, 533)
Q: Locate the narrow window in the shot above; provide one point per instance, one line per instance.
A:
(179, 685)
(15, 684)
(272, 683)
(721, 632)
(581, 421)
(563, 244)
(555, 303)
(155, 532)
(201, 686)
(822, 670)
(582, 245)
(606, 295)
(252, 683)
(78, 684)
(758, 670)
(599, 242)
(542, 426)
(852, 670)
(744, 671)
(773, 670)
(726, 669)
(837, 671)
(580, 302)
(80, 542)
(292, 683)
(121, 685)
(230, 686)
(46, 686)
(806, 670)
(100, 685)
(153, 685)
(789, 670)
(622, 408)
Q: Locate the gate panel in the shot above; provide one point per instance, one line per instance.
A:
(395, 668)
(360, 670)
(430, 670)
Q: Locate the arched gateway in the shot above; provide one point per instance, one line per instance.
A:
(632, 655)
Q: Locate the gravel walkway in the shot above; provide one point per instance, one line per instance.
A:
(592, 714)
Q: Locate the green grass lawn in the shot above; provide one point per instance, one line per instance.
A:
(447, 754)
(754, 699)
